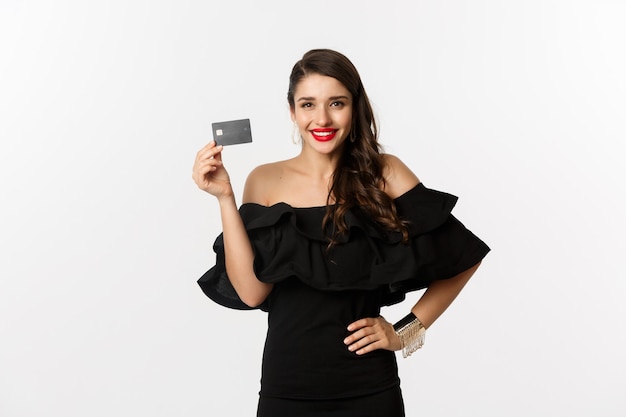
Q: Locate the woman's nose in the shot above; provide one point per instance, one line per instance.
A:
(323, 118)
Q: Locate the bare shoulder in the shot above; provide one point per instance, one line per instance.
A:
(261, 182)
(398, 177)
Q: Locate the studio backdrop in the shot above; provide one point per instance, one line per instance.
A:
(515, 107)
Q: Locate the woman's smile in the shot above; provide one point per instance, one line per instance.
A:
(323, 135)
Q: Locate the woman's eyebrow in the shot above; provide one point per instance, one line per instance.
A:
(330, 98)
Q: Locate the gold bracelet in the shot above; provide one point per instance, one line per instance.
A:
(411, 332)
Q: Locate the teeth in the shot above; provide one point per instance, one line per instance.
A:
(323, 133)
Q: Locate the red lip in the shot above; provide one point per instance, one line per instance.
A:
(325, 136)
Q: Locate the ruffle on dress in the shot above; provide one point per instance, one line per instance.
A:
(290, 243)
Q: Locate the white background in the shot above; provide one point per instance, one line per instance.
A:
(517, 107)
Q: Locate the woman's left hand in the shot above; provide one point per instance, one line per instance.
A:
(370, 334)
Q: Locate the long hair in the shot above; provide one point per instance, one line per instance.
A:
(358, 180)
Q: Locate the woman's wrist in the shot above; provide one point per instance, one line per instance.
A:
(411, 333)
(227, 200)
(226, 196)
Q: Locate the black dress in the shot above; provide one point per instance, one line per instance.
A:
(318, 292)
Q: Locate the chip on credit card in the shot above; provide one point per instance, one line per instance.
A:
(232, 132)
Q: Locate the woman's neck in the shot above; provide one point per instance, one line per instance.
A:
(317, 166)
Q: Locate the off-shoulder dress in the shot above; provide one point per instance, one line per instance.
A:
(319, 291)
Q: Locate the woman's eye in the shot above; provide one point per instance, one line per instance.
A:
(336, 104)
(306, 105)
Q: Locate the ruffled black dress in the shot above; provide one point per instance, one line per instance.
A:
(318, 292)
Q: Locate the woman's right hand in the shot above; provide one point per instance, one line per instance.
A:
(209, 173)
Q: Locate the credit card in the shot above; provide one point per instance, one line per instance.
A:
(232, 132)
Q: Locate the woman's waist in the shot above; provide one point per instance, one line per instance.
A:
(317, 364)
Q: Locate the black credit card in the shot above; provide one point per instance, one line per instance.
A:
(232, 132)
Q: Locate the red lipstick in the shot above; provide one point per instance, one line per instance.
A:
(323, 135)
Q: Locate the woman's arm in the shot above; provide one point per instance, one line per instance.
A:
(240, 257)
(375, 332)
(211, 176)
(439, 295)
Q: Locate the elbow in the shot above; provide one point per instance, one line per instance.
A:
(255, 298)
(252, 302)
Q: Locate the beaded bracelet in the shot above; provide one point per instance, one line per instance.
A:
(411, 332)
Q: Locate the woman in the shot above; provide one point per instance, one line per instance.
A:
(323, 241)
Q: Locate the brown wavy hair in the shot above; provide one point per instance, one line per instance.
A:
(358, 180)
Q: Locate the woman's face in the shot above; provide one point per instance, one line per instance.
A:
(323, 112)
